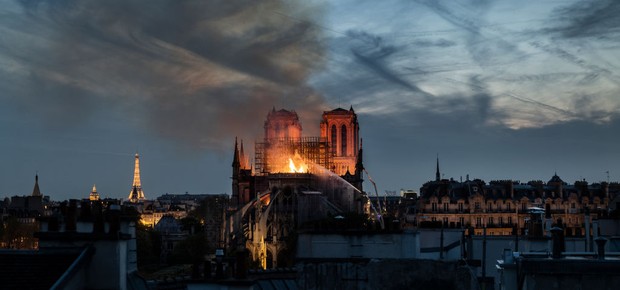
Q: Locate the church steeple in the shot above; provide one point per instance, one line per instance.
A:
(244, 160)
(236, 164)
(437, 174)
(359, 164)
(36, 191)
(136, 194)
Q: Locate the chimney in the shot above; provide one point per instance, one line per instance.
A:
(71, 216)
(219, 267)
(114, 211)
(587, 224)
(558, 242)
(600, 244)
(98, 222)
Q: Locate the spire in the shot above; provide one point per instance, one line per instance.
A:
(243, 160)
(36, 191)
(236, 163)
(437, 174)
(359, 163)
(94, 188)
(351, 109)
(136, 192)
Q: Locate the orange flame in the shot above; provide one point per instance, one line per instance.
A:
(302, 168)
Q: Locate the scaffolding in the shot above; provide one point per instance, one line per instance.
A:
(271, 153)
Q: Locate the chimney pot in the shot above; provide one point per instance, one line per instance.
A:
(600, 244)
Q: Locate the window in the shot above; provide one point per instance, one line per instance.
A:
(478, 222)
(508, 206)
(572, 205)
(460, 206)
(334, 136)
(343, 140)
(462, 221)
(510, 220)
(489, 206)
(445, 221)
(501, 220)
(524, 206)
(434, 206)
(445, 207)
(477, 205)
(490, 221)
(434, 219)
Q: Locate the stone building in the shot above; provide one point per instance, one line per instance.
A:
(505, 207)
(294, 180)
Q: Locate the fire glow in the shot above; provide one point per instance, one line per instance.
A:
(302, 168)
(296, 164)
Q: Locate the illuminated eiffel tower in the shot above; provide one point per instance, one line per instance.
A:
(136, 194)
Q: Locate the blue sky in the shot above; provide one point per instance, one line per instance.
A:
(499, 89)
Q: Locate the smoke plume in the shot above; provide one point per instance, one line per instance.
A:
(200, 72)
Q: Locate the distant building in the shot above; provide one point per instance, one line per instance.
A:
(28, 206)
(503, 207)
(93, 194)
(19, 218)
(171, 234)
(88, 247)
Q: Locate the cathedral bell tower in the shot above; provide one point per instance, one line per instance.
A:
(340, 128)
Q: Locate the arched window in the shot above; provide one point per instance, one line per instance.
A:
(343, 140)
(333, 140)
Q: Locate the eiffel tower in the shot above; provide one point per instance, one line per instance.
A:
(136, 194)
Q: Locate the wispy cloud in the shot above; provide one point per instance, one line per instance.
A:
(438, 63)
(195, 71)
(589, 19)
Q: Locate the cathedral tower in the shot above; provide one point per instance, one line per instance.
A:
(340, 128)
(282, 124)
(136, 194)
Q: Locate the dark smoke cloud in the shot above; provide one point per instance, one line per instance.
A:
(200, 72)
(372, 52)
(589, 19)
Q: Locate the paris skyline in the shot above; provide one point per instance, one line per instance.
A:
(499, 90)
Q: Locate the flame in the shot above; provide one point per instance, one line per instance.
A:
(296, 164)
(286, 162)
(302, 168)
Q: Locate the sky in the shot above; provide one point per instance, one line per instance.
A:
(497, 89)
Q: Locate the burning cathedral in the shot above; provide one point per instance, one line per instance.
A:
(293, 182)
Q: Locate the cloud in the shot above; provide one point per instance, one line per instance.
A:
(195, 71)
(372, 52)
(590, 19)
(441, 42)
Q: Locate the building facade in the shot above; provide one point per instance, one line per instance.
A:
(506, 207)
